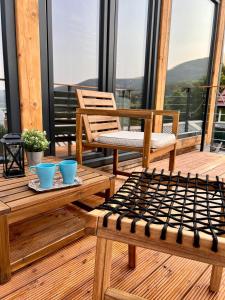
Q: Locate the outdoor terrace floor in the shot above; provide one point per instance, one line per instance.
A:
(68, 273)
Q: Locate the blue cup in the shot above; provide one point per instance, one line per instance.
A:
(45, 173)
(68, 169)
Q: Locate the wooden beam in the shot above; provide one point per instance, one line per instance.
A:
(29, 63)
(163, 49)
(188, 142)
(216, 69)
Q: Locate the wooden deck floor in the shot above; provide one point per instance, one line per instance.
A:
(68, 273)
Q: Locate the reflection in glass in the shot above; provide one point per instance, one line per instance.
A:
(75, 31)
(188, 64)
(131, 37)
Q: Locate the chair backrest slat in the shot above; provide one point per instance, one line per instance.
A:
(95, 125)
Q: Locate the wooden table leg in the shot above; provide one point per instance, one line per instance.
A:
(5, 269)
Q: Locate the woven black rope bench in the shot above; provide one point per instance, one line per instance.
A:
(169, 212)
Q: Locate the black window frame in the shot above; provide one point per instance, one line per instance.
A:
(10, 65)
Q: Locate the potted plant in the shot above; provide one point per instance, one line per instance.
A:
(35, 143)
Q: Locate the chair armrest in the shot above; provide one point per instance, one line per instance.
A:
(132, 113)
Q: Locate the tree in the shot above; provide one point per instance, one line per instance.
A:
(222, 76)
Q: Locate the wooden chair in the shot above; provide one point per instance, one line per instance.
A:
(100, 117)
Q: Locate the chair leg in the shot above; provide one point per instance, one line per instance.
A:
(172, 160)
(115, 161)
(215, 279)
(103, 261)
(132, 256)
(145, 161)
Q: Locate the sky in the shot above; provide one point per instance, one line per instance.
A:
(75, 25)
(75, 36)
(191, 30)
(131, 38)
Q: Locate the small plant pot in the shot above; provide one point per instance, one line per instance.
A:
(34, 158)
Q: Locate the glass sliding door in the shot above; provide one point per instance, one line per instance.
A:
(189, 62)
(130, 56)
(75, 42)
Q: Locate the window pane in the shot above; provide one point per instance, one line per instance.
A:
(75, 31)
(75, 26)
(131, 44)
(189, 57)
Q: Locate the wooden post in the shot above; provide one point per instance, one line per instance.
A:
(216, 69)
(5, 268)
(163, 50)
(29, 63)
(102, 268)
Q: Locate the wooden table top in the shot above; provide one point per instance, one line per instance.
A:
(16, 195)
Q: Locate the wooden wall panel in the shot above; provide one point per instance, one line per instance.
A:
(29, 65)
(163, 49)
(216, 69)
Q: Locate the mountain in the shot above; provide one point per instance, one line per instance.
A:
(189, 71)
(121, 83)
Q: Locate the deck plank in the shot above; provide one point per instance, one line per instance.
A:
(68, 274)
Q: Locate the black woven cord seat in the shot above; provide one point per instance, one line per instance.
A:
(171, 200)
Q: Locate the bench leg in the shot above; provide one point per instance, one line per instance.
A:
(5, 269)
(172, 159)
(103, 261)
(132, 256)
(215, 279)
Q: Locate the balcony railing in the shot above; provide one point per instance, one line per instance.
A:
(190, 101)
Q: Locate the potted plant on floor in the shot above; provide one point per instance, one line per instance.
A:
(35, 143)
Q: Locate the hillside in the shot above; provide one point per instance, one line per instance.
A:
(189, 71)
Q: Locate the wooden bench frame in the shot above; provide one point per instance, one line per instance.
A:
(106, 236)
(98, 113)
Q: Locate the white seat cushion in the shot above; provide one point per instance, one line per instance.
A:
(135, 139)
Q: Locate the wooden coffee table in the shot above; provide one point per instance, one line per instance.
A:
(18, 202)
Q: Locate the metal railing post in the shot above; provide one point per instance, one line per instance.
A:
(188, 92)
